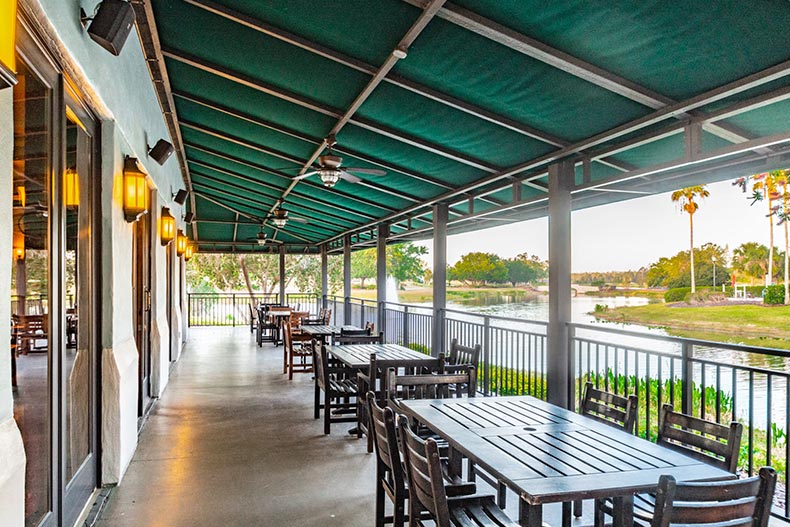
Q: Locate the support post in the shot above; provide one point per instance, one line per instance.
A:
(324, 276)
(440, 215)
(381, 273)
(559, 361)
(282, 275)
(347, 279)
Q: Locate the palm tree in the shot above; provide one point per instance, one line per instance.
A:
(686, 197)
(782, 210)
(764, 188)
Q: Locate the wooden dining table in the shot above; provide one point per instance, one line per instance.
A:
(547, 454)
(387, 355)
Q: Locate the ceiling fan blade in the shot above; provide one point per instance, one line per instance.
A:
(349, 177)
(299, 220)
(369, 171)
(305, 175)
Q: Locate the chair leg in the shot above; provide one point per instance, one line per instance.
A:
(577, 509)
(566, 513)
(327, 412)
(317, 401)
(285, 360)
(379, 496)
(291, 368)
(598, 514)
(399, 506)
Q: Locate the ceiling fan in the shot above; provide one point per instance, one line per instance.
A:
(262, 238)
(330, 168)
(279, 216)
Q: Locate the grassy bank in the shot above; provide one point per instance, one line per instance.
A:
(454, 294)
(754, 325)
(652, 294)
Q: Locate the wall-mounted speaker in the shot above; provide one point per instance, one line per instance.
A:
(112, 24)
(189, 217)
(180, 197)
(161, 151)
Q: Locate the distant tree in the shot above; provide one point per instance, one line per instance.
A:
(764, 188)
(674, 271)
(404, 262)
(782, 212)
(477, 268)
(750, 261)
(686, 197)
(525, 269)
(363, 265)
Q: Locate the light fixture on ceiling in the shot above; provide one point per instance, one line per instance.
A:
(7, 44)
(181, 243)
(110, 25)
(135, 190)
(280, 217)
(329, 176)
(161, 151)
(261, 238)
(399, 53)
(168, 226)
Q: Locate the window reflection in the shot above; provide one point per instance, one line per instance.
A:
(30, 281)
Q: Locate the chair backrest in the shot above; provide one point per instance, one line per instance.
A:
(433, 385)
(370, 327)
(424, 473)
(287, 337)
(713, 443)
(464, 354)
(385, 438)
(359, 339)
(609, 408)
(294, 320)
(740, 502)
(321, 364)
(327, 316)
(253, 313)
(344, 332)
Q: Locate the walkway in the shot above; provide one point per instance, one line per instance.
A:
(233, 442)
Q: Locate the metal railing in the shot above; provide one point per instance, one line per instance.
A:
(233, 309)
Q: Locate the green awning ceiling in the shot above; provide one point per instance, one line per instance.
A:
(486, 86)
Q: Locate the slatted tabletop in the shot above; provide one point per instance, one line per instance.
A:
(358, 355)
(548, 454)
(326, 330)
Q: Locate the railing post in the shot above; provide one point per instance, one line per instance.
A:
(362, 314)
(233, 310)
(189, 310)
(487, 355)
(687, 378)
(382, 316)
(572, 368)
(406, 326)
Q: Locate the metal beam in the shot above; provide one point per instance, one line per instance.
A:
(381, 273)
(299, 100)
(440, 217)
(282, 276)
(346, 279)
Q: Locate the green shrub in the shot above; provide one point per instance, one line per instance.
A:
(677, 294)
(774, 294)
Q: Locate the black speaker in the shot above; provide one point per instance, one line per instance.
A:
(112, 24)
(189, 217)
(180, 197)
(161, 151)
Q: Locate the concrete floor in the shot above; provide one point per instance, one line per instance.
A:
(233, 442)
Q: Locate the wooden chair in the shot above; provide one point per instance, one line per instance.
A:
(267, 328)
(370, 327)
(742, 502)
(339, 386)
(253, 317)
(29, 329)
(390, 478)
(713, 443)
(427, 491)
(358, 339)
(608, 408)
(431, 386)
(317, 320)
(463, 354)
(297, 352)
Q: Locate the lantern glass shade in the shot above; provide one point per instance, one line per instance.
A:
(7, 42)
(19, 246)
(135, 191)
(181, 243)
(168, 227)
(189, 252)
(71, 188)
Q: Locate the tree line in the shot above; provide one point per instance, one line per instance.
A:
(477, 269)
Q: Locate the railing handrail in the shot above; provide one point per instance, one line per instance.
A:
(682, 340)
(497, 317)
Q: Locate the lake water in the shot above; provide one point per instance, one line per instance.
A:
(736, 381)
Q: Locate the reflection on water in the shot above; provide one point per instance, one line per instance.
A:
(734, 373)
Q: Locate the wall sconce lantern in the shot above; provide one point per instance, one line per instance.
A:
(71, 188)
(189, 252)
(181, 243)
(19, 246)
(135, 190)
(168, 227)
(7, 42)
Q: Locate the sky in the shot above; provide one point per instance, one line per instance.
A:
(630, 234)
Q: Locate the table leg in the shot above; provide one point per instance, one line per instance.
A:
(566, 513)
(455, 464)
(530, 515)
(623, 511)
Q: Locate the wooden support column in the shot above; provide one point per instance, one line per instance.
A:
(324, 276)
(381, 273)
(559, 375)
(347, 279)
(440, 215)
(282, 275)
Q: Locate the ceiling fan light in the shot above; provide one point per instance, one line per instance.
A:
(280, 217)
(329, 177)
(261, 241)
(279, 222)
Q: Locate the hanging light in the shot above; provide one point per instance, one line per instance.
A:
(135, 190)
(19, 246)
(71, 188)
(280, 217)
(329, 176)
(189, 252)
(20, 198)
(181, 243)
(167, 231)
(7, 43)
